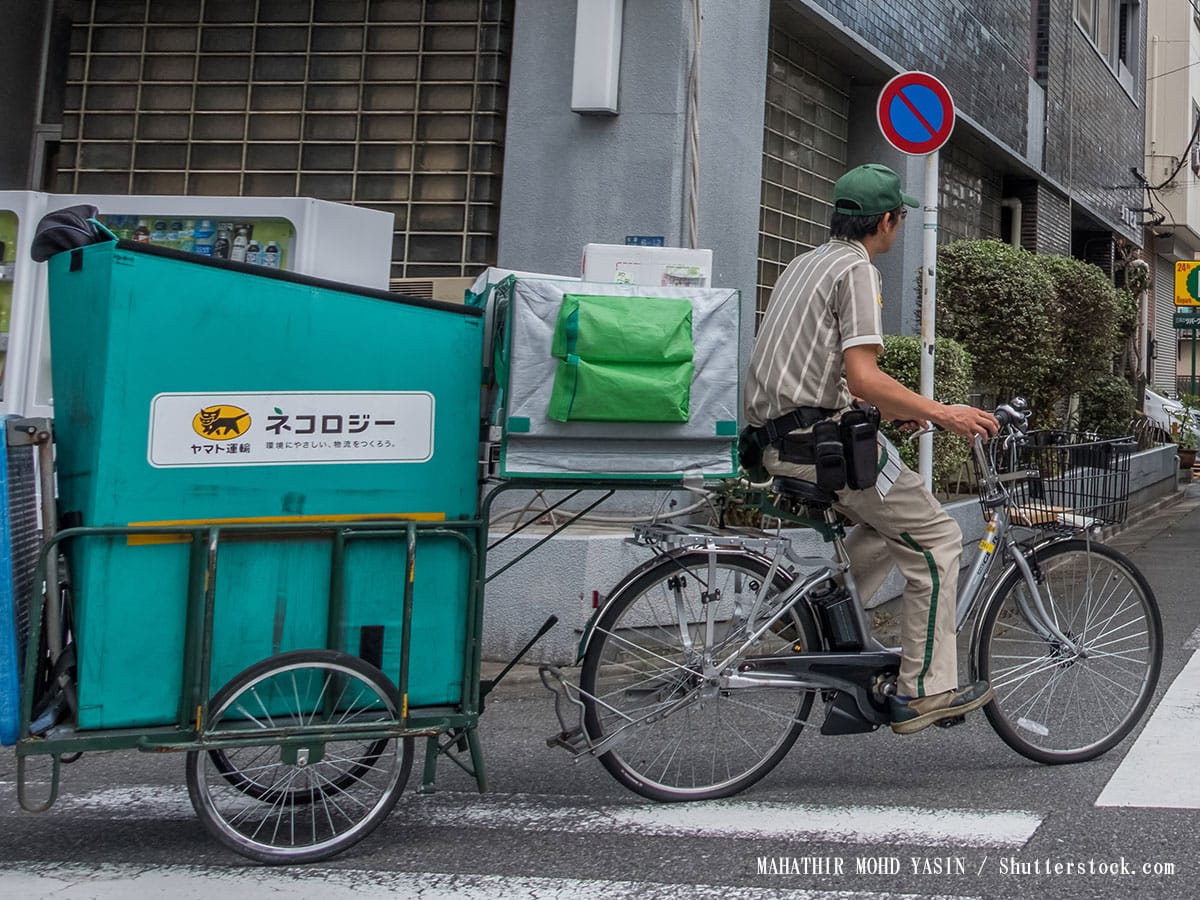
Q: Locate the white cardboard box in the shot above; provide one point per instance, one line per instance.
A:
(660, 266)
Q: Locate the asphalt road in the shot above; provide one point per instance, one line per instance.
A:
(951, 813)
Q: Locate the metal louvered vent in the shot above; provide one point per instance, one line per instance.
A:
(450, 290)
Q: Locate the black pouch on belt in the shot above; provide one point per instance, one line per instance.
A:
(829, 456)
(858, 436)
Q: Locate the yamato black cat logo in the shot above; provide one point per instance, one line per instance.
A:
(221, 423)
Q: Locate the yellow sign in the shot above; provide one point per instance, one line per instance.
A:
(1187, 284)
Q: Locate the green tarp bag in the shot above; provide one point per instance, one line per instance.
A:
(622, 359)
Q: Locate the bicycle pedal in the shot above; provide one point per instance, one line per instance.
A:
(951, 722)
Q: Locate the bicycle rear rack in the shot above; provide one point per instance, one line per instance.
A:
(668, 537)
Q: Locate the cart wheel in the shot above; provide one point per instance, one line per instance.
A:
(305, 792)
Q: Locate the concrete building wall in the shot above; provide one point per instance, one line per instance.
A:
(571, 179)
(21, 50)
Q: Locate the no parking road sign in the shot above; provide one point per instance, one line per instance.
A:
(915, 113)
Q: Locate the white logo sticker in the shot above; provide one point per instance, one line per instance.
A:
(274, 428)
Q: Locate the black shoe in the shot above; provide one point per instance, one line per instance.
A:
(910, 716)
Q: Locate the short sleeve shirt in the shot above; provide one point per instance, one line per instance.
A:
(826, 301)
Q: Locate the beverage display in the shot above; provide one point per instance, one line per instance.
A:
(262, 242)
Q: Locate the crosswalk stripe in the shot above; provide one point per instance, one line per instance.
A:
(733, 819)
(37, 880)
(1167, 749)
(739, 819)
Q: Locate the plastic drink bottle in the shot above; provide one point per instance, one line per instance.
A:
(204, 237)
(142, 232)
(271, 255)
(237, 250)
(187, 236)
(221, 244)
(254, 253)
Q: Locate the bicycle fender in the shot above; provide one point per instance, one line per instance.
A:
(641, 569)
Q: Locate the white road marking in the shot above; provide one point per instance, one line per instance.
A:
(741, 819)
(1160, 768)
(732, 819)
(1193, 642)
(35, 880)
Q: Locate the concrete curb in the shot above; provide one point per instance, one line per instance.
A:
(1142, 513)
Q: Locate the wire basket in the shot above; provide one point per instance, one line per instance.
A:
(1065, 480)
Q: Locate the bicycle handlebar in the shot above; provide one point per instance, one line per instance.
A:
(1014, 415)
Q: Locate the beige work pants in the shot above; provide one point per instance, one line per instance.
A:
(908, 528)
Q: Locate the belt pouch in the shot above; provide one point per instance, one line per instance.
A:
(862, 450)
(829, 456)
(749, 452)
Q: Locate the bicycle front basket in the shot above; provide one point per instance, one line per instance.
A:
(1071, 481)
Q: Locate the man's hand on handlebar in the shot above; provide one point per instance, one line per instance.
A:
(967, 421)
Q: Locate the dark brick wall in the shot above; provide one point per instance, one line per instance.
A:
(986, 53)
(980, 50)
(1095, 130)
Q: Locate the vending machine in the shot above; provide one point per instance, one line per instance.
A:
(334, 241)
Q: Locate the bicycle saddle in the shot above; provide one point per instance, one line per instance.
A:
(806, 492)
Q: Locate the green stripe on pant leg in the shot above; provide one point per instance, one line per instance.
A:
(935, 583)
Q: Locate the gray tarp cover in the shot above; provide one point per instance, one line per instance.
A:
(692, 448)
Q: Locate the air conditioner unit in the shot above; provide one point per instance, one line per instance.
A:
(450, 290)
(1195, 157)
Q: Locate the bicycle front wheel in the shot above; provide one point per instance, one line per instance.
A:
(1065, 702)
(650, 683)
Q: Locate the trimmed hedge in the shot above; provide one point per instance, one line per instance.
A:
(1042, 327)
(952, 384)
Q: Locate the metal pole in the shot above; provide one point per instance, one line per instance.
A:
(928, 307)
(1193, 391)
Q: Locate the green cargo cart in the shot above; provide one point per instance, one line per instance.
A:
(263, 543)
(266, 546)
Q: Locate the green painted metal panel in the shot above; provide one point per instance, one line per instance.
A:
(151, 348)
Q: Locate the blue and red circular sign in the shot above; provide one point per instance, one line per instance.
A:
(916, 113)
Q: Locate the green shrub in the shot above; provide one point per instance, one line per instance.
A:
(952, 384)
(1043, 327)
(1004, 309)
(1106, 406)
(1087, 338)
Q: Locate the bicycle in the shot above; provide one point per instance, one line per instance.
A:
(702, 668)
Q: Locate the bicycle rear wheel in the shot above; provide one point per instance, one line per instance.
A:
(1058, 705)
(650, 684)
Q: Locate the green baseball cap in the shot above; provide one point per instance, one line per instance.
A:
(869, 190)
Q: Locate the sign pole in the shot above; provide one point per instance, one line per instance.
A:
(916, 115)
(1193, 362)
(929, 308)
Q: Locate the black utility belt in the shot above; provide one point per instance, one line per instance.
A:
(845, 453)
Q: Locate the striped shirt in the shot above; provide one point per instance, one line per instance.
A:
(825, 301)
